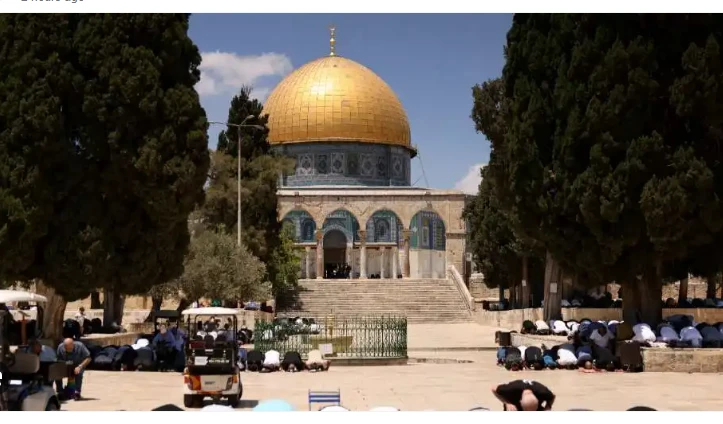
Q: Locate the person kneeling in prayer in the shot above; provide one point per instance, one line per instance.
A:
(533, 358)
(566, 357)
(255, 360)
(603, 358)
(272, 361)
(316, 361)
(292, 362)
(524, 395)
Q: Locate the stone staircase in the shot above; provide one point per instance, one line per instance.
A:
(420, 300)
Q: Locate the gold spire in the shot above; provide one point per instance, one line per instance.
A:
(332, 40)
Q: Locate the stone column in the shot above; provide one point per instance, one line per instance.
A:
(319, 255)
(395, 261)
(382, 260)
(363, 254)
(405, 243)
(307, 260)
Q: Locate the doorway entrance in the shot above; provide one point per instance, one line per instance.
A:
(335, 265)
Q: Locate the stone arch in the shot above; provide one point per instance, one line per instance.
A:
(428, 245)
(384, 225)
(303, 223)
(344, 221)
(428, 231)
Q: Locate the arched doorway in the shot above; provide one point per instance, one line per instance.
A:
(428, 245)
(334, 254)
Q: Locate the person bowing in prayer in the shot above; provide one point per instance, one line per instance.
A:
(524, 395)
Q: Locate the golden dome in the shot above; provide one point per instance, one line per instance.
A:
(336, 99)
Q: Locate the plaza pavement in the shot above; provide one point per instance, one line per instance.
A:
(442, 387)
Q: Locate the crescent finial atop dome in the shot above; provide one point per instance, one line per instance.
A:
(332, 40)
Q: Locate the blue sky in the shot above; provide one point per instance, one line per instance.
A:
(430, 61)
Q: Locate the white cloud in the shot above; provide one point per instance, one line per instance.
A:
(226, 73)
(470, 182)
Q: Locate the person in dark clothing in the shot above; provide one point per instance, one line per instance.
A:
(533, 358)
(292, 362)
(603, 358)
(513, 359)
(524, 395)
(255, 360)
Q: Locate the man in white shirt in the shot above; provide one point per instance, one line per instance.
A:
(643, 333)
(691, 336)
(667, 334)
(602, 337)
(272, 361)
(81, 318)
(559, 327)
(566, 357)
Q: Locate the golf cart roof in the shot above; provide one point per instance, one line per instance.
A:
(210, 311)
(20, 296)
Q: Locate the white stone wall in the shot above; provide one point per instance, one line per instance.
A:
(427, 263)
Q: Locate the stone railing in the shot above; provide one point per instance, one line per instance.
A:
(461, 287)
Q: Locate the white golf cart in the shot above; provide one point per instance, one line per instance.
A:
(26, 382)
(211, 359)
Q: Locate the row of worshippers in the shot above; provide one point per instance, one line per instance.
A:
(271, 360)
(675, 331)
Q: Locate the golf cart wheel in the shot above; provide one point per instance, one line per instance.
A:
(233, 400)
(52, 406)
(192, 401)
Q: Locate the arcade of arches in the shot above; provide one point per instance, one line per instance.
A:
(384, 240)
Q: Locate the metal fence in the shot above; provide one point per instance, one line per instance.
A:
(362, 337)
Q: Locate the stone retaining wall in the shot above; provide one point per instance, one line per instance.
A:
(512, 319)
(688, 360)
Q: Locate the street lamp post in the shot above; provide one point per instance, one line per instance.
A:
(238, 166)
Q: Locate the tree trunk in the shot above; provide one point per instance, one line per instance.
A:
(95, 302)
(642, 300)
(525, 284)
(112, 307)
(53, 313)
(155, 306)
(683, 290)
(183, 304)
(553, 290)
(710, 292)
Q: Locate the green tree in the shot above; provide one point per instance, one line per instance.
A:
(610, 149)
(286, 261)
(215, 267)
(104, 150)
(260, 171)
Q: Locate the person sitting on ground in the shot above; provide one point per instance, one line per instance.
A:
(272, 361)
(711, 337)
(316, 361)
(691, 337)
(255, 360)
(524, 395)
(542, 328)
(566, 356)
(602, 337)
(513, 359)
(533, 358)
(292, 362)
(76, 354)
